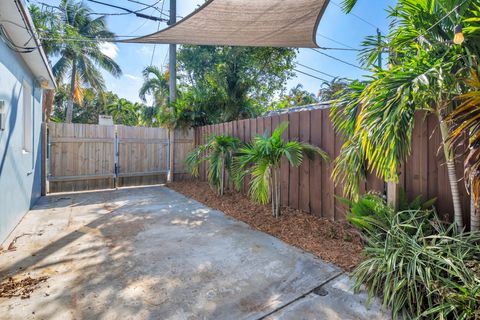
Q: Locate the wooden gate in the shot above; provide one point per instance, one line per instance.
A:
(91, 157)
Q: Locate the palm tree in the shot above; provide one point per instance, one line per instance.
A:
(79, 50)
(301, 97)
(123, 112)
(148, 116)
(218, 152)
(376, 116)
(466, 123)
(156, 85)
(262, 159)
(330, 89)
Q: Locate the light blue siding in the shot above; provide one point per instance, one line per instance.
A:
(19, 170)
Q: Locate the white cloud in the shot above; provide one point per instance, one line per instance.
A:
(132, 77)
(145, 50)
(109, 49)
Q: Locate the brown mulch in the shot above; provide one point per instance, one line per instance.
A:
(335, 242)
(11, 287)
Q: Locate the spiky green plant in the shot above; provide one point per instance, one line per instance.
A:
(261, 158)
(218, 152)
(421, 268)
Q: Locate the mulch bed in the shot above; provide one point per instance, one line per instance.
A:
(336, 242)
(11, 287)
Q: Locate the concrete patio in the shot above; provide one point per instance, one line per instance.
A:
(151, 253)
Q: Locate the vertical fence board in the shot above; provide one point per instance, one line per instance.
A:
(304, 170)
(293, 131)
(284, 169)
(432, 155)
(316, 166)
(328, 187)
(340, 207)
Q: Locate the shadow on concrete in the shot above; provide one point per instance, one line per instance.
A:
(150, 253)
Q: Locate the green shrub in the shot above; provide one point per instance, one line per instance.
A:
(421, 266)
(218, 152)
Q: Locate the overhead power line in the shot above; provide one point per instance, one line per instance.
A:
(158, 28)
(137, 13)
(338, 59)
(336, 41)
(341, 49)
(316, 70)
(128, 11)
(311, 75)
(356, 16)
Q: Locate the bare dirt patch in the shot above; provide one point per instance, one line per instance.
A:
(336, 242)
(11, 287)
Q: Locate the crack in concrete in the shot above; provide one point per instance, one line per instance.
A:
(300, 297)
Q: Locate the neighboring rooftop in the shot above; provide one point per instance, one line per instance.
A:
(320, 105)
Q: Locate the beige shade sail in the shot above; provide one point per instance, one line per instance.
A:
(260, 23)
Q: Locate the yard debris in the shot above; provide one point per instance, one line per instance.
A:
(11, 287)
(336, 242)
(12, 246)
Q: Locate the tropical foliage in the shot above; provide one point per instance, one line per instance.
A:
(423, 268)
(229, 83)
(261, 159)
(218, 152)
(297, 96)
(124, 112)
(376, 116)
(73, 37)
(96, 103)
(156, 85)
(466, 123)
(330, 90)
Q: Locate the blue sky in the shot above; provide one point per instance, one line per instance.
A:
(345, 29)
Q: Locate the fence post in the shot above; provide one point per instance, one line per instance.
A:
(393, 194)
(115, 157)
(43, 179)
(171, 155)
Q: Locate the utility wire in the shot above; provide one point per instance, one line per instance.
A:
(340, 49)
(336, 41)
(158, 28)
(316, 70)
(356, 16)
(126, 13)
(311, 75)
(138, 14)
(338, 59)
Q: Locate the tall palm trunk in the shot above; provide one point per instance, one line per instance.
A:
(275, 187)
(474, 213)
(452, 173)
(69, 116)
(222, 181)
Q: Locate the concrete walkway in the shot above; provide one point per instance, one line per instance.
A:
(151, 253)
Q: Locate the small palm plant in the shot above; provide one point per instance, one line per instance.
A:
(262, 159)
(218, 152)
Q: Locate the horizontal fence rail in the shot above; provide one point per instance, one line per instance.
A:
(310, 186)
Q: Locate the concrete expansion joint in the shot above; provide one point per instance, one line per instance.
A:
(317, 290)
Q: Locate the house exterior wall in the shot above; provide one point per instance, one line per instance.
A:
(20, 171)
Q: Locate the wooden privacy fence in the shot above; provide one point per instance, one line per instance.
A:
(90, 157)
(310, 187)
